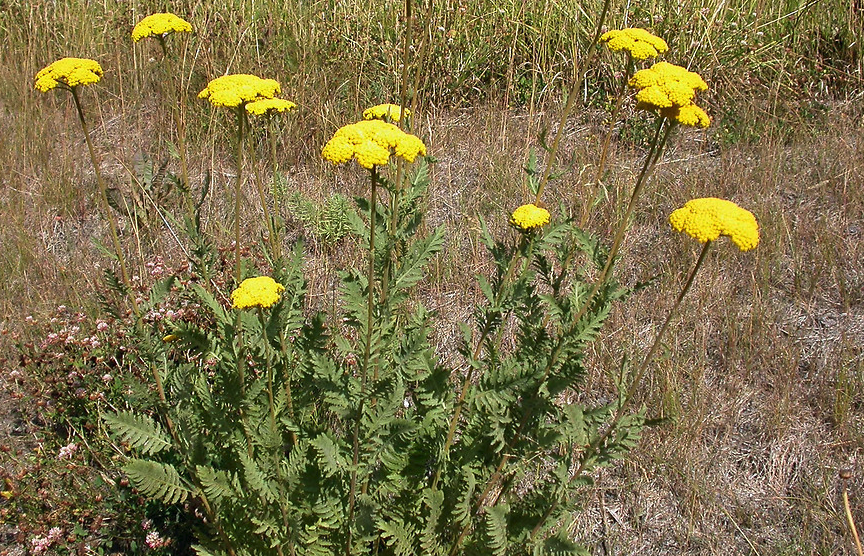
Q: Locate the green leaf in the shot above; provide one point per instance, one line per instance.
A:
(141, 433)
(159, 481)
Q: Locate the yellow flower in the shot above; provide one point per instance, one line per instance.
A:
(237, 89)
(159, 25)
(640, 43)
(70, 72)
(665, 85)
(262, 291)
(269, 106)
(386, 112)
(529, 217)
(709, 218)
(689, 115)
(370, 143)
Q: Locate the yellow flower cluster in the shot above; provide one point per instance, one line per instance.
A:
(68, 71)
(237, 89)
(664, 85)
(640, 43)
(262, 291)
(269, 106)
(529, 217)
(671, 89)
(689, 115)
(386, 112)
(159, 25)
(709, 218)
(370, 143)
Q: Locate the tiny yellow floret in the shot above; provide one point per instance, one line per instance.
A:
(641, 44)
(262, 291)
(666, 85)
(386, 112)
(238, 89)
(689, 115)
(709, 218)
(370, 143)
(269, 106)
(529, 217)
(159, 25)
(69, 72)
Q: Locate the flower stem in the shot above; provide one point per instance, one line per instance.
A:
(628, 396)
(237, 183)
(571, 100)
(604, 151)
(106, 207)
(366, 356)
(273, 239)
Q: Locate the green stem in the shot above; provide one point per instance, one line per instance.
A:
(650, 160)
(273, 239)
(628, 396)
(604, 151)
(469, 374)
(571, 100)
(366, 357)
(177, 109)
(106, 207)
(237, 184)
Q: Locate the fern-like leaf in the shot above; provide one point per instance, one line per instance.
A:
(141, 433)
(159, 481)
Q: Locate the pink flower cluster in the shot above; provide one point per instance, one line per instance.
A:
(38, 545)
(67, 451)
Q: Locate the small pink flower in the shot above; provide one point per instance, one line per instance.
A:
(101, 326)
(106, 378)
(66, 452)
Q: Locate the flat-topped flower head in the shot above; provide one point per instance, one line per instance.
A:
(709, 218)
(386, 112)
(689, 115)
(665, 85)
(640, 43)
(370, 143)
(529, 217)
(69, 72)
(159, 25)
(238, 89)
(269, 106)
(262, 291)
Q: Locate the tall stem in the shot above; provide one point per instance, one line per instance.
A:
(273, 239)
(177, 110)
(637, 377)
(103, 199)
(604, 151)
(237, 183)
(352, 494)
(571, 99)
(650, 160)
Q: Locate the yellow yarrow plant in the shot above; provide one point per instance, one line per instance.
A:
(238, 89)
(269, 106)
(709, 218)
(370, 143)
(665, 85)
(262, 291)
(386, 112)
(69, 72)
(158, 25)
(529, 217)
(639, 43)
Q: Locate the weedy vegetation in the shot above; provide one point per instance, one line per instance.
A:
(319, 278)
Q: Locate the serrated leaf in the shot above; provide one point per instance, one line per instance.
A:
(159, 481)
(140, 432)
